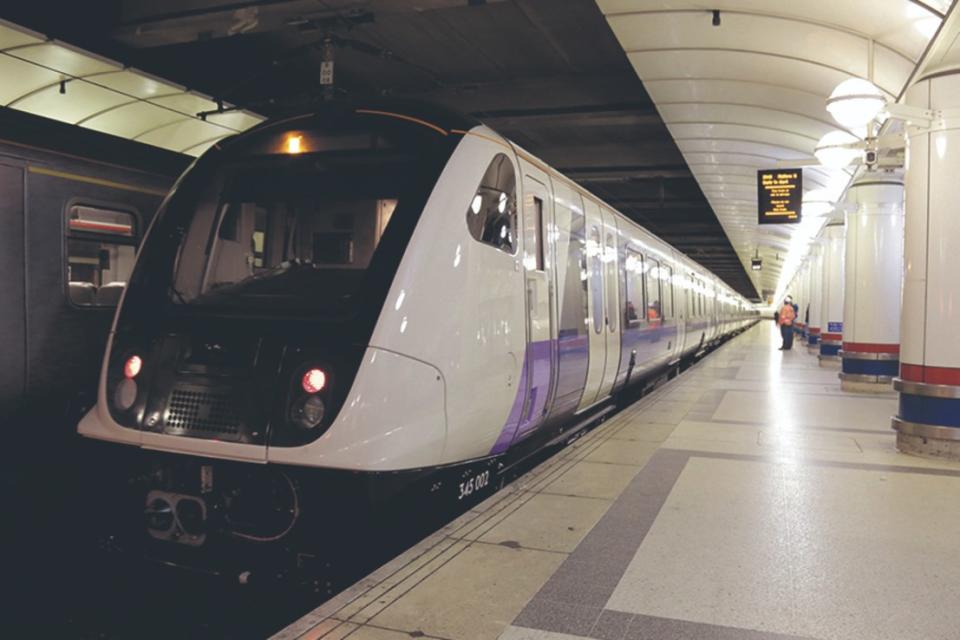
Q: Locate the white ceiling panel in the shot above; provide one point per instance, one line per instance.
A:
(768, 153)
(696, 112)
(65, 60)
(13, 36)
(750, 93)
(186, 103)
(79, 100)
(766, 93)
(236, 120)
(131, 120)
(183, 134)
(792, 73)
(741, 132)
(137, 84)
(22, 78)
(770, 35)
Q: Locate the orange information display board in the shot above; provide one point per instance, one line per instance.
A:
(779, 195)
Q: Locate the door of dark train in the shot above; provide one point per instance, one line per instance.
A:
(12, 317)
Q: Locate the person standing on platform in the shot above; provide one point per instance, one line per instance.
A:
(785, 320)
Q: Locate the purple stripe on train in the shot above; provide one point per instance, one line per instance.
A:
(572, 356)
(650, 341)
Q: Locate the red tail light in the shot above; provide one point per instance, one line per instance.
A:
(313, 380)
(132, 366)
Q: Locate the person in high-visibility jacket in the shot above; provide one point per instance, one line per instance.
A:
(785, 320)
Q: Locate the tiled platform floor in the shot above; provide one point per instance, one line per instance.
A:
(748, 499)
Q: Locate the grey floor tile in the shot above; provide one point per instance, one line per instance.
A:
(560, 617)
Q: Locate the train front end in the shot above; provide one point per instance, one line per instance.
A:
(246, 321)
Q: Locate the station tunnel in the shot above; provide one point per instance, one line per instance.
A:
(470, 319)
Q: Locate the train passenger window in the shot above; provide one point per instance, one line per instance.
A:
(611, 262)
(101, 245)
(595, 250)
(634, 290)
(492, 214)
(666, 278)
(654, 306)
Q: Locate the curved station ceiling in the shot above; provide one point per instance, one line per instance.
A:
(742, 86)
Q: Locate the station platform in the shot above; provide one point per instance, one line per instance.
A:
(749, 499)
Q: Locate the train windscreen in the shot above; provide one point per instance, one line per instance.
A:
(294, 223)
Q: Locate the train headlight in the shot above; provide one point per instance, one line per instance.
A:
(125, 394)
(307, 413)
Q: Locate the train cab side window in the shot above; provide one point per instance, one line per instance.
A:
(634, 293)
(101, 245)
(654, 305)
(492, 214)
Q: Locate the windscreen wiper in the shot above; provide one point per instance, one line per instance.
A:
(172, 288)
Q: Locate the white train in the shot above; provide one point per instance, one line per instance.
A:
(384, 296)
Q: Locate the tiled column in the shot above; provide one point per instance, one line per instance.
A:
(928, 419)
(873, 269)
(800, 297)
(815, 298)
(831, 291)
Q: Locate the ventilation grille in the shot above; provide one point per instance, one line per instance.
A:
(201, 412)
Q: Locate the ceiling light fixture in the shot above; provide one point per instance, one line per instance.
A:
(838, 149)
(856, 102)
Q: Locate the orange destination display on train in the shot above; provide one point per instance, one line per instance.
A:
(779, 195)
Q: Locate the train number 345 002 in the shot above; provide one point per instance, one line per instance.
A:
(475, 483)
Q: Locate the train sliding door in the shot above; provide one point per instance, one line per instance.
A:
(596, 325)
(538, 266)
(611, 295)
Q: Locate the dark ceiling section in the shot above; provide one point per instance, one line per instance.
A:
(548, 74)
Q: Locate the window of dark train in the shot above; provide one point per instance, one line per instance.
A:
(595, 249)
(666, 278)
(611, 263)
(654, 299)
(101, 245)
(492, 214)
(635, 297)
